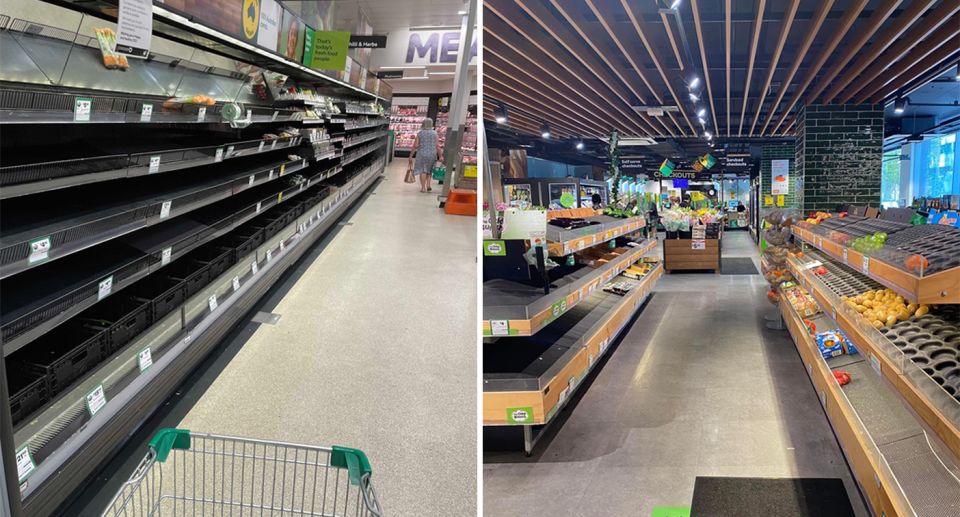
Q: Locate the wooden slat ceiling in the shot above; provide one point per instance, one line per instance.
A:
(585, 65)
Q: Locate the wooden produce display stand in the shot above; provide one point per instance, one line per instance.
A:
(679, 254)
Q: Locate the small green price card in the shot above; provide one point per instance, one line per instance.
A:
(519, 415)
(670, 511)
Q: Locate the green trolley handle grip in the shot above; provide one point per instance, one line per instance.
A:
(167, 439)
(354, 460)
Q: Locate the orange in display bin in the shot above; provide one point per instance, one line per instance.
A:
(461, 202)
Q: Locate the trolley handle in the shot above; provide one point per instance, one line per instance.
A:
(167, 439)
(354, 460)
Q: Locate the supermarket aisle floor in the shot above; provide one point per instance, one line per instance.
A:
(375, 349)
(696, 387)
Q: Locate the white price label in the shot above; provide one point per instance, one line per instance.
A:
(146, 113)
(81, 110)
(104, 288)
(39, 250)
(591, 360)
(251, 179)
(823, 397)
(165, 209)
(603, 344)
(274, 116)
(254, 268)
(236, 283)
(258, 208)
(499, 328)
(273, 144)
(844, 255)
(154, 164)
(270, 176)
(866, 265)
(834, 314)
(698, 245)
(260, 150)
(219, 155)
(212, 302)
(201, 113)
(249, 115)
(25, 464)
(96, 400)
(145, 359)
(281, 245)
(269, 255)
(875, 363)
(230, 151)
(165, 256)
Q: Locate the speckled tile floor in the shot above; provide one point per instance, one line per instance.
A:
(697, 386)
(375, 349)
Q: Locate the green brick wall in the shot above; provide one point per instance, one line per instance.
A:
(770, 152)
(839, 151)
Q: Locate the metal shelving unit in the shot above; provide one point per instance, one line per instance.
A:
(155, 245)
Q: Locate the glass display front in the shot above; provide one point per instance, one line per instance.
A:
(518, 196)
(563, 195)
(587, 192)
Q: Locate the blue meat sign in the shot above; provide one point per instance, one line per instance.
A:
(441, 47)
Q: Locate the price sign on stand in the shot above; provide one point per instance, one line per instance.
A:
(699, 232)
(165, 209)
(146, 112)
(866, 265)
(269, 255)
(236, 283)
(219, 156)
(499, 328)
(698, 244)
(201, 113)
(254, 268)
(258, 208)
(273, 144)
(260, 149)
(25, 464)
(165, 256)
(875, 363)
(145, 359)
(212, 302)
(96, 400)
(281, 245)
(229, 151)
(844, 255)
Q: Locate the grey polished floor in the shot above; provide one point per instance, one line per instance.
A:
(696, 387)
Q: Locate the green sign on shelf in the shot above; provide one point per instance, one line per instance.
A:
(328, 49)
(519, 415)
(670, 511)
(494, 249)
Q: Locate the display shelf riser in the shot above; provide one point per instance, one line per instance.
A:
(57, 477)
(856, 446)
(559, 249)
(941, 287)
(577, 367)
(543, 318)
(934, 416)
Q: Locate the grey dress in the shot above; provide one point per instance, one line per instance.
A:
(426, 152)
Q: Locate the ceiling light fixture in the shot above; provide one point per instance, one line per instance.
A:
(461, 12)
(579, 143)
(958, 71)
(545, 130)
(708, 135)
(500, 113)
(694, 97)
(676, 4)
(702, 112)
(694, 81)
(899, 104)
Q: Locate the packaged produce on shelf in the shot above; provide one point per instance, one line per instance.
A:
(619, 288)
(638, 270)
(107, 39)
(843, 378)
(830, 343)
(802, 301)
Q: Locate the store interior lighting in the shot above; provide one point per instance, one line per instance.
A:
(702, 112)
(500, 114)
(579, 143)
(899, 104)
(545, 130)
(676, 4)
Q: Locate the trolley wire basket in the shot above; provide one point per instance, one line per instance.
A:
(196, 474)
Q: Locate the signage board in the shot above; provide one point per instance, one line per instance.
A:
(390, 74)
(372, 41)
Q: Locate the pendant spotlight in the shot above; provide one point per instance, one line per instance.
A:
(500, 113)
(545, 130)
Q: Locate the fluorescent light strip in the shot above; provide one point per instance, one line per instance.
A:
(224, 37)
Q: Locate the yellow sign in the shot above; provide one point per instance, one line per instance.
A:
(251, 18)
(469, 171)
(768, 200)
(780, 200)
(284, 166)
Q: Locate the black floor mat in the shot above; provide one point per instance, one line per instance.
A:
(737, 266)
(770, 497)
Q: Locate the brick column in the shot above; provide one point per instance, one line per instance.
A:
(839, 151)
(768, 153)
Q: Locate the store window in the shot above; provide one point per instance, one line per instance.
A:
(890, 180)
(934, 170)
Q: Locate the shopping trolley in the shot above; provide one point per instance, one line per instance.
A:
(198, 474)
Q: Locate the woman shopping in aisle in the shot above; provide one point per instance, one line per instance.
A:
(426, 150)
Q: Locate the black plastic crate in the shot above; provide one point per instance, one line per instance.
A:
(290, 217)
(273, 227)
(64, 354)
(162, 292)
(247, 242)
(121, 318)
(28, 391)
(215, 258)
(196, 281)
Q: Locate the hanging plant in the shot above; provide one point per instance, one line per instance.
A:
(613, 154)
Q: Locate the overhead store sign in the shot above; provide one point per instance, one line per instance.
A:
(326, 50)
(436, 47)
(779, 177)
(736, 163)
(373, 41)
(268, 27)
(632, 166)
(390, 74)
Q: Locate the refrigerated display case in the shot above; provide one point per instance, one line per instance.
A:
(590, 187)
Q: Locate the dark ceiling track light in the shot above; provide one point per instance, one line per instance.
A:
(579, 143)
(899, 104)
(500, 113)
(545, 130)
